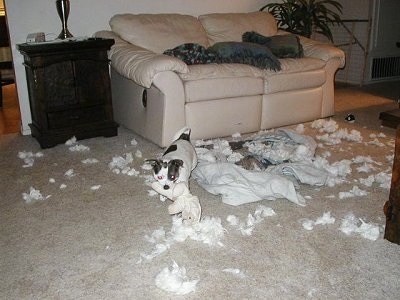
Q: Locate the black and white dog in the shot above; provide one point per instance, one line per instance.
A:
(177, 162)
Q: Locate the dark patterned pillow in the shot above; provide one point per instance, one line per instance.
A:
(283, 46)
(192, 54)
(246, 53)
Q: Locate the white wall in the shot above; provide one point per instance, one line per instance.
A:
(89, 16)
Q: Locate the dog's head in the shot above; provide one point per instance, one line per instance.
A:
(166, 172)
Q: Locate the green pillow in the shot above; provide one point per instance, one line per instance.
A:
(246, 53)
(283, 46)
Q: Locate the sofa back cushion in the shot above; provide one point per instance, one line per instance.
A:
(159, 32)
(229, 27)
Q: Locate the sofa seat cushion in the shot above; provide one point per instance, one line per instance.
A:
(229, 27)
(295, 74)
(216, 81)
(159, 32)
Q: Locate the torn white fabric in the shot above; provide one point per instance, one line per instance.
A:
(302, 172)
(239, 186)
(173, 279)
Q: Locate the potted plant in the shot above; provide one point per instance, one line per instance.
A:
(305, 17)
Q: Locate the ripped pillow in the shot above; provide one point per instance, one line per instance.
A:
(283, 46)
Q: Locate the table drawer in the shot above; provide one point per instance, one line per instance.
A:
(75, 117)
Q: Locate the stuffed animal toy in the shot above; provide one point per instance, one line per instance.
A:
(184, 201)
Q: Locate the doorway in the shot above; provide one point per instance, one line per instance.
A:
(10, 116)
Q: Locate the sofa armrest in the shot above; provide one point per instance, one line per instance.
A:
(321, 50)
(139, 64)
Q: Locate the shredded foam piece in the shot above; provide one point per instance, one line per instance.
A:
(52, 180)
(376, 142)
(384, 179)
(33, 195)
(120, 164)
(354, 192)
(138, 154)
(70, 173)
(174, 280)
(325, 125)
(71, 141)
(134, 142)
(234, 271)
(351, 224)
(63, 186)
(89, 161)
(246, 228)
(79, 148)
(74, 147)
(29, 158)
(236, 135)
(208, 231)
(337, 170)
(95, 187)
(325, 219)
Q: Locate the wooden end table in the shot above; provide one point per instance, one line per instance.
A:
(392, 206)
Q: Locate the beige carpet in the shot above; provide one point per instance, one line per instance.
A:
(85, 241)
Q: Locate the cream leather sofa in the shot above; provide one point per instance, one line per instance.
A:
(155, 95)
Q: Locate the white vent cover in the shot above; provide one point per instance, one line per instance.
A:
(385, 67)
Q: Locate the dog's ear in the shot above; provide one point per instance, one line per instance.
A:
(155, 163)
(177, 162)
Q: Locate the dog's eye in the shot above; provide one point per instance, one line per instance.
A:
(160, 177)
(172, 177)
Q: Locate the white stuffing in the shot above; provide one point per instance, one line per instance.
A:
(34, 195)
(376, 142)
(29, 157)
(74, 146)
(134, 142)
(52, 180)
(384, 179)
(71, 141)
(95, 187)
(174, 280)
(120, 164)
(89, 161)
(208, 231)
(247, 227)
(325, 219)
(79, 148)
(354, 192)
(69, 173)
(325, 125)
(63, 186)
(234, 271)
(351, 224)
(138, 154)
